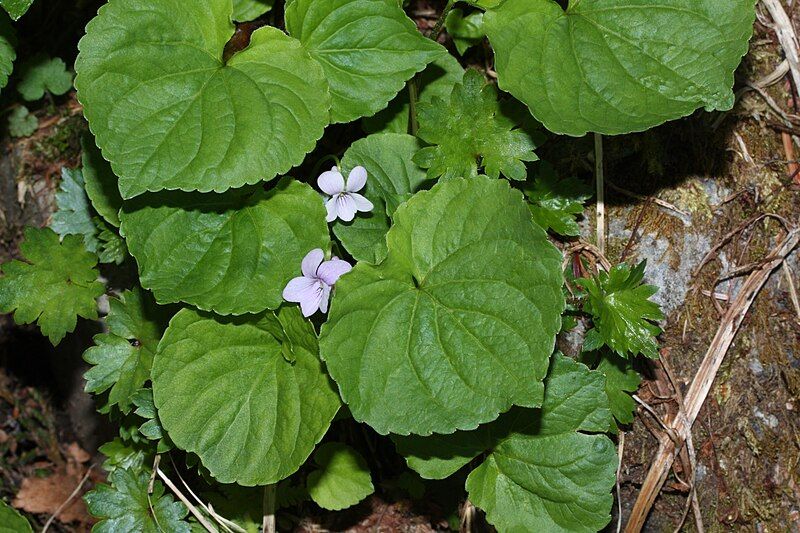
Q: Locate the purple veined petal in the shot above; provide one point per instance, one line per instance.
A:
(331, 182)
(326, 295)
(305, 291)
(299, 289)
(345, 207)
(333, 210)
(357, 179)
(331, 271)
(362, 204)
(311, 262)
(310, 305)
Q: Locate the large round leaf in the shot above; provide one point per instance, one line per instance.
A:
(617, 66)
(231, 253)
(367, 48)
(458, 323)
(226, 391)
(169, 113)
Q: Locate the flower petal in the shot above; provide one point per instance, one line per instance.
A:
(357, 179)
(345, 207)
(331, 182)
(362, 204)
(311, 262)
(333, 210)
(311, 305)
(326, 295)
(299, 289)
(331, 271)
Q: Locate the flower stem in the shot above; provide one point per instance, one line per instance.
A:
(413, 97)
(601, 196)
(268, 526)
(437, 29)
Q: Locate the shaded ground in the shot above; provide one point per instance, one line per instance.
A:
(746, 436)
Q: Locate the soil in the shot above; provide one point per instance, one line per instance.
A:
(714, 171)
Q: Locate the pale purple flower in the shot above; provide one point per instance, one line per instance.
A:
(344, 201)
(312, 290)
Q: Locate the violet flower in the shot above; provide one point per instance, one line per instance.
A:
(313, 289)
(344, 201)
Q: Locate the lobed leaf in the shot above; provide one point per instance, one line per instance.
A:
(123, 357)
(458, 323)
(169, 113)
(470, 132)
(22, 123)
(56, 283)
(368, 49)
(230, 253)
(127, 505)
(74, 214)
(43, 74)
(225, 391)
(618, 66)
(622, 312)
(556, 202)
(8, 43)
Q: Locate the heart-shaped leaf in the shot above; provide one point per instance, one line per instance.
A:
(100, 182)
(231, 253)
(367, 48)
(458, 323)
(617, 66)
(225, 391)
(169, 113)
(342, 479)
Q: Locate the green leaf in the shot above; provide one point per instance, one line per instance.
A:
(74, 215)
(621, 381)
(56, 283)
(8, 43)
(392, 179)
(458, 323)
(168, 113)
(21, 122)
(622, 311)
(123, 357)
(111, 247)
(367, 48)
(231, 253)
(466, 31)
(11, 521)
(43, 74)
(126, 505)
(438, 79)
(124, 455)
(342, 478)
(100, 182)
(245, 10)
(471, 132)
(16, 8)
(556, 202)
(617, 66)
(225, 392)
(543, 472)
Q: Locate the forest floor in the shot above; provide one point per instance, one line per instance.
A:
(673, 194)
